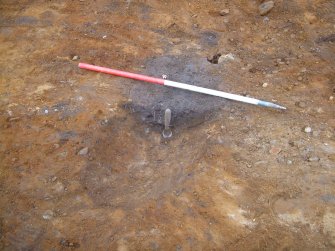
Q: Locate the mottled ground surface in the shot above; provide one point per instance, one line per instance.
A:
(232, 177)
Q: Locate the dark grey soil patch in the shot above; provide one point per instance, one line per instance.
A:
(188, 108)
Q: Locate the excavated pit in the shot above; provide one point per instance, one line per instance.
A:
(188, 108)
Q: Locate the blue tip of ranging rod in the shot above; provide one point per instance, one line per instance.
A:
(272, 105)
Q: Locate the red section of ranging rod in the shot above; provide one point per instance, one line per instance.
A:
(124, 74)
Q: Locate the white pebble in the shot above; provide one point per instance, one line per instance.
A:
(47, 215)
(83, 151)
(265, 85)
(308, 129)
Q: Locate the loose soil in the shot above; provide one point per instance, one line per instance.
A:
(232, 177)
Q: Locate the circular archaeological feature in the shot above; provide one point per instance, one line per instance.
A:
(187, 107)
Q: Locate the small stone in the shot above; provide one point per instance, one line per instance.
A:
(307, 129)
(265, 7)
(265, 85)
(14, 119)
(331, 98)
(59, 187)
(313, 159)
(225, 58)
(75, 58)
(54, 179)
(319, 110)
(315, 133)
(301, 104)
(47, 215)
(83, 151)
(224, 12)
(289, 162)
(63, 154)
(275, 150)
(300, 78)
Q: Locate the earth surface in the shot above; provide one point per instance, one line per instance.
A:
(83, 164)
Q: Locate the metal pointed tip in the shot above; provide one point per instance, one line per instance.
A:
(279, 107)
(272, 105)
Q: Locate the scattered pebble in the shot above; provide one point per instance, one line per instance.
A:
(275, 150)
(266, 19)
(265, 85)
(14, 119)
(301, 104)
(315, 133)
(224, 12)
(313, 159)
(308, 129)
(54, 179)
(227, 57)
(289, 162)
(104, 37)
(83, 151)
(266, 7)
(75, 58)
(331, 98)
(299, 78)
(319, 110)
(63, 154)
(47, 215)
(66, 243)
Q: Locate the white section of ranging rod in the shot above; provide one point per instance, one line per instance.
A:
(221, 94)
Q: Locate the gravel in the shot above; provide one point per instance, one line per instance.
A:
(301, 104)
(313, 159)
(83, 151)
(307, 129)
(266, 7)
(224, 12)
(47, 215)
